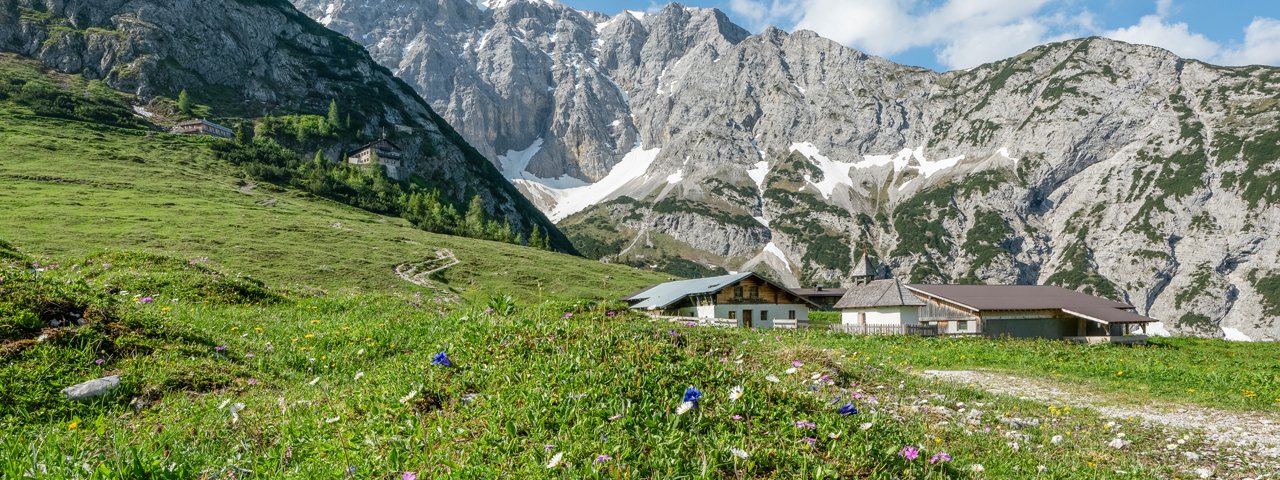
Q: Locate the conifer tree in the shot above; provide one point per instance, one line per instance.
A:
(184, 102)
(474, 221)
(536, 239)
(242, 137)
(333, 117)
(320, 160)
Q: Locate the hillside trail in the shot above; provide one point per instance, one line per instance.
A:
(419, 273)
(1256, 432)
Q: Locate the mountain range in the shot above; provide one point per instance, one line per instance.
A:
(679, 141)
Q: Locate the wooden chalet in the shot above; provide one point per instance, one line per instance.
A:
(740, 299)
(385, 153)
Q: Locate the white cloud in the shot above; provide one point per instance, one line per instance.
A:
(1261, 45)
(1175, 37)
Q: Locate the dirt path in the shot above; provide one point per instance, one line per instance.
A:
(419, 273)
(1257, 432)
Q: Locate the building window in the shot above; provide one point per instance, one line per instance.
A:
(733, 314)
(764, 315)
(737, 292)
(962, 325)
(791, 314)
(755, 292)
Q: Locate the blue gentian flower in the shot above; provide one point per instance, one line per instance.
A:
(692, 395)
(847, 410)
(441, 358)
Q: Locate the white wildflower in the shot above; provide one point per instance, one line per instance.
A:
(405, 399)
(358, 375)
(684, 408)
(791, 371)
(224, 404)
(1056, 439)
(235, 410)
(555, 460)
(736, 393)
(865, 426)
(332, 419)
(740, 453)
(314, 381)
(1171, 446)
(772, 378)
(1042, 468)
(977, 468)
(361, 352)
(1204, 472)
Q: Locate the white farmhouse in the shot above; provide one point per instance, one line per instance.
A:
(740, 299)
(880, 302)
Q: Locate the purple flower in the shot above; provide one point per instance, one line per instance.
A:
(488, 310)
(737, 417)
(615, 417)
(797, 364)
(909, 452)
(847, 410)
(805, 425)
(248, 355)
(809, 440)
(603, 458)
(548, 447)
(99, 361)
(567, 315)
(692, 394)
(611, 313)
(220, 348)
(441, 358)
(253, 381)
(673, 333)
(146, 300)
(409, 476)
(351, 470)
(939, 458)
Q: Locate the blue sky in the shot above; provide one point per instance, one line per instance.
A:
(949, 34)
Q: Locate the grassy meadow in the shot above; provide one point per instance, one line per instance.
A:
(222, 377)
(72, 188)
(1212, 373)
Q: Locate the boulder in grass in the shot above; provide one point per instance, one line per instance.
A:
(91, 389)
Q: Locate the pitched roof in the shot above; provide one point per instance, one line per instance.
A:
(666, 294)
(879, 293)
(863, 267)
(819, 292)
(1033, 297)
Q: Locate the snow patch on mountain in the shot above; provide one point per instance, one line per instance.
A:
(758, 174)
(833, 173)
(566, 199)
(1235, 335)
(772, 249)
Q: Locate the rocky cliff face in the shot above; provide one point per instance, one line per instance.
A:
(676, 140)
(253, 58)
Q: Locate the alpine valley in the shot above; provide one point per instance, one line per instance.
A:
(679, 141)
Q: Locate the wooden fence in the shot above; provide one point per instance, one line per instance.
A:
(724, 322)
(917, 330)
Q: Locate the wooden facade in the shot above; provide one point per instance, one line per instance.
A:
(203, 127)
(753, 290)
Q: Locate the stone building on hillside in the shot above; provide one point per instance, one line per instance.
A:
(202, 127)
(381, 152)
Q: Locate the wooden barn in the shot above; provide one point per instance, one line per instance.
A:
(202, 127)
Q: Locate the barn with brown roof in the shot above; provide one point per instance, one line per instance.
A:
(1029, 311)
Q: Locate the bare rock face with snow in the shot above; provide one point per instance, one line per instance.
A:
(678, 140)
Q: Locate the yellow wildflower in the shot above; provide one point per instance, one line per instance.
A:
(165, 309)
(73, 425)
(309, 335)
(234, 328)
(257, 329)
(313, 322)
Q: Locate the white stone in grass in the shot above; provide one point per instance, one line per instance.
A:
(1117, 443)
(91, 389)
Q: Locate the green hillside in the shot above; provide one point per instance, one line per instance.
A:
(72, 187)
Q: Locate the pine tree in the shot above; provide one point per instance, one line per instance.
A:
(320, 160)
(333, 117)
(242, 137)
(535, 239)
(263, 128)
(474, 221)
(301, 131)
(184, 102)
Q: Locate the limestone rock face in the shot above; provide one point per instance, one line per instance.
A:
(255, 58)
(1116, 169)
